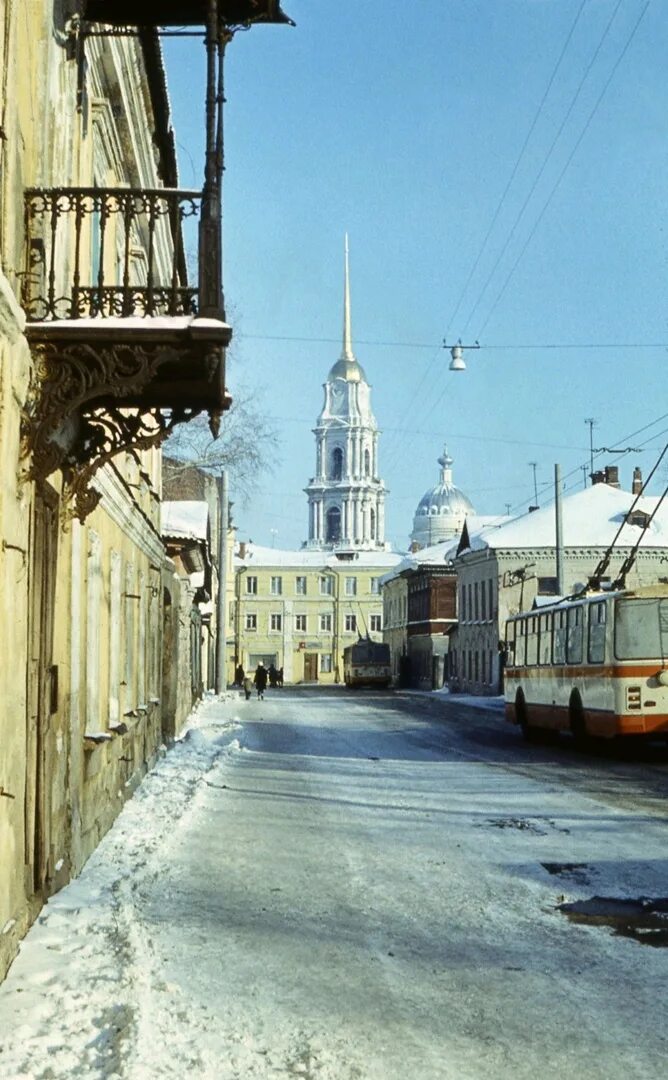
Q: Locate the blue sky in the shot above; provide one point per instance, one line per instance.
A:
(403, 124)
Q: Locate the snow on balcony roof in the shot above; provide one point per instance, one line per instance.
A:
(186, 520)
(591, 518)
(312, 560)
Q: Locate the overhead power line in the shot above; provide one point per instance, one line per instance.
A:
(515, 168)
(516, 346)
(544, 164)
(572, 154)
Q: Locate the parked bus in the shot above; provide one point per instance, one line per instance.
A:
(367, 663)
(594, 666)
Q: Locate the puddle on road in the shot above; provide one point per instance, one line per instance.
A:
(645, 920)
(575, 871)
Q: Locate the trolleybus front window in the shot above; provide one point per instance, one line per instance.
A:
(641, 629)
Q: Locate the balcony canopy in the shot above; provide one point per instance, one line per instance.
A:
(181, 12)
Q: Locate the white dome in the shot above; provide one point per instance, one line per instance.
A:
(442, 510)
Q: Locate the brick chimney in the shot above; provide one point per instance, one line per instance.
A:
(612, 476)
(598, 477)
(636, 487)
(242, 549)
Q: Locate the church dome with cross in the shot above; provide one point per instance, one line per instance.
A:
(442, 510)
(346, 497)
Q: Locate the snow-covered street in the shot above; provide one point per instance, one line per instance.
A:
(335, 886)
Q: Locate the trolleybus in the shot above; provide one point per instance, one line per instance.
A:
(367, 663)
(596, 665)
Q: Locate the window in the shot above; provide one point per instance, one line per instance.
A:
(574, 636)
(337, 463)
(351, 624)
(559, 638)
(490, 584)
(596, 640)
(326, 585)
(300, 623)
(532, 640)
(475, 608)
(462, 603)
(333, 525)
(351, 586)
(367, 464)
(545, 640)
(521, 643)
(326, 662)
(251, 585)
(374, 585)
(276, 621)
(641, 629)
(548, 586)
(251, 620)
(300, 585)
(375, 623)
(483, 603)
(276, 587)
(372, 524)
(326, 623)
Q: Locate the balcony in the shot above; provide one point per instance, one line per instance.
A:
(126, 347)
(182, 12)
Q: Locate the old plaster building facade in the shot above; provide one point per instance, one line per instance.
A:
(419, 610)
(104, 345)
(299, 609)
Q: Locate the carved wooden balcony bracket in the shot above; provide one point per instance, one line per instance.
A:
(100, 392)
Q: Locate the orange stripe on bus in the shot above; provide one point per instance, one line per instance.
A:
(592, 671)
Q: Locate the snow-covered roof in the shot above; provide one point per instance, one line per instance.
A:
(476, 524)
(591, 518)
(435, 555)
(269, 557)
(186, 520)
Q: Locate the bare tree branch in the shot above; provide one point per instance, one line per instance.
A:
(246, 447)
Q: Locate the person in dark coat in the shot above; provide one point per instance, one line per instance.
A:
(273, 676)
(239, 676)
(260, 679)
(279, 676)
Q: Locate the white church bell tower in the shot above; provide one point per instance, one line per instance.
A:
(346, 498)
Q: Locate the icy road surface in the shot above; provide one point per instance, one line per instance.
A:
(334, 886)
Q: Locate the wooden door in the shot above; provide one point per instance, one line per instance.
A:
(42, 690)
(310, 667)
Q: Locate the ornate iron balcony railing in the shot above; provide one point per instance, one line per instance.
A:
(109, 252)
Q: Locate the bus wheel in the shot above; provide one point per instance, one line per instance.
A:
(522, 717)
(576, 718)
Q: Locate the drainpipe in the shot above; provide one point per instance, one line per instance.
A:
(221, 606)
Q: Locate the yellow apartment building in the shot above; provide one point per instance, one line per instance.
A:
(298, 610)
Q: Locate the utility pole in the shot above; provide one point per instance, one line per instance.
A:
(592, 424)
(534, 466)
(559, 530)
(221, 605)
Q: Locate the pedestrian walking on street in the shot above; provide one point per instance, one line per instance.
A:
(248, 686)
(239, 676)
(273, 676)
(260, 680)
